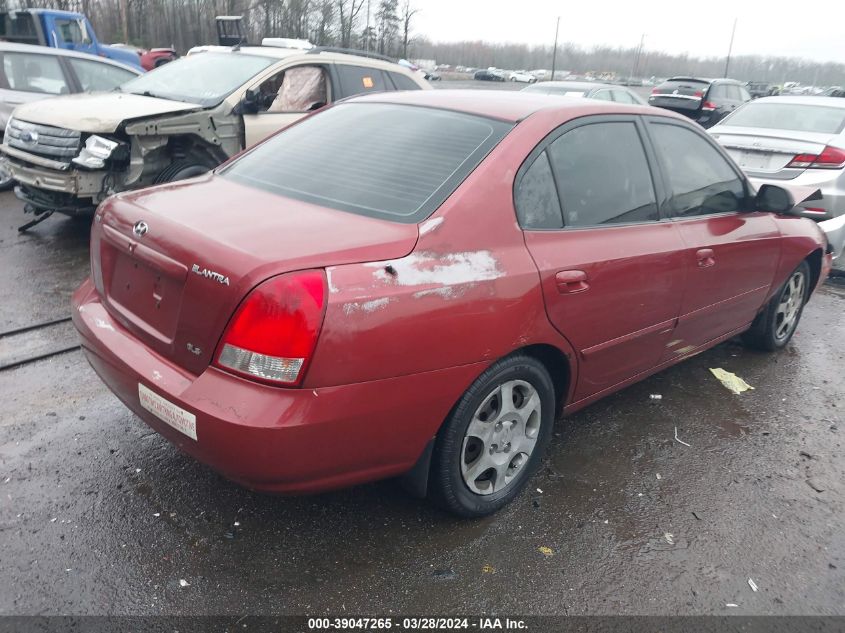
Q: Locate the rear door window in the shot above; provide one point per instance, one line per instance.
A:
(355, 157)
(403, 82)
(603, 175)
(537, 204)
(97, 76)
(620, 96)
(29, 72)
(700, 179)
(719, 91)
(359, 79)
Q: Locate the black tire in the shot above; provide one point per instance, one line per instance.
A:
(6, 180)
(180, 170)
(447, 486)
(767, 332)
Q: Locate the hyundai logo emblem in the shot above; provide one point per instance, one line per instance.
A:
(30, 137)
(140, 229)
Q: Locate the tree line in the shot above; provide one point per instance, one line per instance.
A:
(628, 62)
(387, 27)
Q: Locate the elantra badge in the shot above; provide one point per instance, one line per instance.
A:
(209, 274)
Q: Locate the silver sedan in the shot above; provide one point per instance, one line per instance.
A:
(794, 141)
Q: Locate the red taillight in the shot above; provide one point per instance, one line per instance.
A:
(698, 93)
(655, 91)
(274, 330)
(708, 106)
(830, 158)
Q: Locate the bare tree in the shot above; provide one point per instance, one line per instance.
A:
(348, 11)
(407, 14)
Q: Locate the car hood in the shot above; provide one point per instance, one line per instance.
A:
(97, 113)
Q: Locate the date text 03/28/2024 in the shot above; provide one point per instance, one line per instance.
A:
(416, 623)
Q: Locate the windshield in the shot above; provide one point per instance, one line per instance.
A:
(789, 116)
(204, 78)
(384, 160)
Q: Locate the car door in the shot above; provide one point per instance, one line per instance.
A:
(611, 271)
(285, 97)
(731, 251)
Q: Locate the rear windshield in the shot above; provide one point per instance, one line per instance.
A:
(562, 91)
(789, 116)
(18, 27)
(385, 160)
(683, 86)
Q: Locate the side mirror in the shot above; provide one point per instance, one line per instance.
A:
(774, 199)
(251, 101)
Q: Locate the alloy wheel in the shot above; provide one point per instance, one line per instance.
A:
(789, 305)
(501, 437)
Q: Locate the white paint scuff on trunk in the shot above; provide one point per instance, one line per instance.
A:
(366, 306)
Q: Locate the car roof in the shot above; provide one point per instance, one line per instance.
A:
(497, 104)
(11, 47)
(278, 52)
(831, 102)
(574, 85)
(705, 80)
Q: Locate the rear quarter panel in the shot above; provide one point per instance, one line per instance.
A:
(469, 291)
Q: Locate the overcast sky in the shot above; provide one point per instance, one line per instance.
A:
(768, 27)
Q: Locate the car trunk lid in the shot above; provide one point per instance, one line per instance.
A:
(680, 95)
(172, 263)
(765, 153)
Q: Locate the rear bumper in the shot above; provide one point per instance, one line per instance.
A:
(272, 439)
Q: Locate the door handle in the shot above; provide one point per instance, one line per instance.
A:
(706, 258)
(571, 281)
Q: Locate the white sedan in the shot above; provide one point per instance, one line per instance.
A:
(522, 77)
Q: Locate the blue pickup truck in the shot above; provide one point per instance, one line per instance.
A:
(60, 29)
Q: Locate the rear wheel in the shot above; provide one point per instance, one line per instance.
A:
(494, 439)
(775, 325)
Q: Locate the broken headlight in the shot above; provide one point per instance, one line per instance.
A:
(96, 152)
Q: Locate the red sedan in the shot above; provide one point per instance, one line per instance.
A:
(419, 283)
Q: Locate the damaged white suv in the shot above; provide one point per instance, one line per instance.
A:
(185, 118)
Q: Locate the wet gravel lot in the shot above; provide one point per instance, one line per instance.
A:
(100, 515)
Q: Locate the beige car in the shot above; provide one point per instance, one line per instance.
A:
(178, 121)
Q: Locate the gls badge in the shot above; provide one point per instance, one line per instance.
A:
(209, 274)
